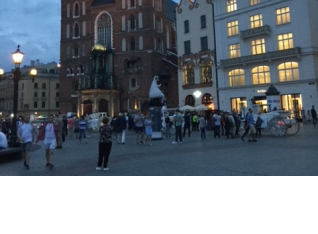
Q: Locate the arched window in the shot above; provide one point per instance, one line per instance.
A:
(104, 30)
(190, 100)
(288, 71)
(76, 10)
(132, 3)
(83, 50)
(206, 70)
(68, 11)
(123, 45)
(80, 69)
(132, 44)
(68, 31)
(188, 73)
(84, 29)
(139, 65)
(84, 8)
(76, 51)
(140, 20)
(123, 23)
(207, 99)
(70, 71)
(236, 77)
(159, 45)
(261, 75)
(68, 51)
(141, 43)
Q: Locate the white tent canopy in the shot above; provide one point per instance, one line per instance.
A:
(201, 107)
(186, 107)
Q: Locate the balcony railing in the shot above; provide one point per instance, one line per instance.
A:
(273, 55)
(266, 29)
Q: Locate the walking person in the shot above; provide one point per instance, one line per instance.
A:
(25, 135)
(148, 129)
(187, 122)
(217, 124)
(139, 126)
(121, 128)
(105, 144)
(178, 119)
(314, 115)
(59, 142)
(64, 130)
(82, 129)
(48, 133)
(258, 126)
(70, 127)
(76, 126)
(246, 127)
(202, 126)
(252, 130)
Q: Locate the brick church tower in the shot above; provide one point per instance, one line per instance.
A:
(110, 52)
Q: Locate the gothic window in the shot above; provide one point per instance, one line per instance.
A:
(190, 100)
(123, 45)
(207, 99)
(141, 43)
(76, 51)
(132, 22)
(132, 44)
(76, 30)
(104, 30)
(76, 10)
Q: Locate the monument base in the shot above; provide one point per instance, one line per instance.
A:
(155, 112)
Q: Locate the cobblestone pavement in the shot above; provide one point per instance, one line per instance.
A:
(270, 156)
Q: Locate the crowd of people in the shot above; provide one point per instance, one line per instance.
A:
(54, 130)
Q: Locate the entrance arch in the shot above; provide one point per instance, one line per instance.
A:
(87, 107)
(103, 105)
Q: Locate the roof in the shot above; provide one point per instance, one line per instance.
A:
(102, 2)
(170, 10)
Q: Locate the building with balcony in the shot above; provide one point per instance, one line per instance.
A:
(262, 43)
(196, 54)
(110, 52)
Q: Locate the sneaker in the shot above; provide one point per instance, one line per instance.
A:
(106, 168)
(51, 166)
(98, 168)
(47, 165)
(174, 142)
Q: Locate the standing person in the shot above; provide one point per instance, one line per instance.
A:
(89, 126)
(139, 126)
(227, 126)
(76, 126)
(232, 125)
(202, 126)
(148, 129)
(195, 122)
(217, 124)
(105, 144)
(303, 115)
(308, 116)
(25, 134)
(3, 141)
(314, 115)
(48, 133)
(70, 126)
(250, 122)
(130, 122)
(121, 128)
(258, 126)
(187, 120)
(178, 119)
(64, 131)
(82, 129)
(168, 125)
(59, 142)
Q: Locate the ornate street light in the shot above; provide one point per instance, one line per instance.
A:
(33, 73)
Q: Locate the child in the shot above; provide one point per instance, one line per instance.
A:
(148, 126)
(258, 126)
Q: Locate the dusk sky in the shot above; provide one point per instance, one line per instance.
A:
(32, 24)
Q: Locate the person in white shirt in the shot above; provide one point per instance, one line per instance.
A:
(49, 135)
(3, 141)
(26, 136)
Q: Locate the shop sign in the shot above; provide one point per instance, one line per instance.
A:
(261, 91)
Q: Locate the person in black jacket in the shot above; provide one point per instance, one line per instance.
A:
(314, 115)
(121, 128)
(187, 121)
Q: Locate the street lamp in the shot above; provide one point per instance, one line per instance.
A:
(17, 57)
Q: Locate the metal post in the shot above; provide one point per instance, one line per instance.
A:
(13, 136)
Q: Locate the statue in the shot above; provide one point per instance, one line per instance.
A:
(154, 91)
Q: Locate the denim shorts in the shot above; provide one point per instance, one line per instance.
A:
(25, 147)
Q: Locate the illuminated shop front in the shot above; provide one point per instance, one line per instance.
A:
(238, 104)
(292, 102)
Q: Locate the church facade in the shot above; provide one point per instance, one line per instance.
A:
(110, 52)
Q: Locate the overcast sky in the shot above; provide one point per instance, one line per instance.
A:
(32, 24)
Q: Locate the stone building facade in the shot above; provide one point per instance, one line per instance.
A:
(110, 52)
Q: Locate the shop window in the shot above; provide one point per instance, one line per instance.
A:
(238, 104)
(293, 103)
